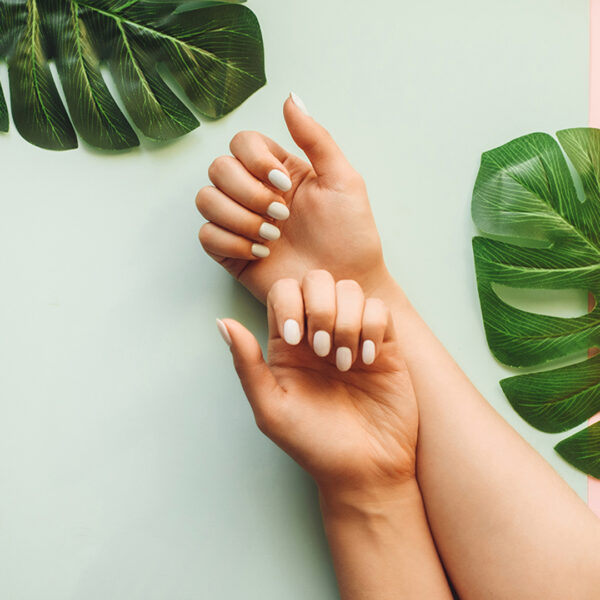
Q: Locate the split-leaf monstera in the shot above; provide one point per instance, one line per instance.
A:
(544, 235)
(211, 50)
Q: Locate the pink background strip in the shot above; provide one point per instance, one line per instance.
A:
(594, 118)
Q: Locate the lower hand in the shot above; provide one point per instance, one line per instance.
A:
(335, 394)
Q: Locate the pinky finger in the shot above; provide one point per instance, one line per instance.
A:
(377, 327)
(217, 241)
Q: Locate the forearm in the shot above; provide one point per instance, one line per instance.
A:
(382, 547)
(497, 510)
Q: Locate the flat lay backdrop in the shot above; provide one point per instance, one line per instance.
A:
(130, 465)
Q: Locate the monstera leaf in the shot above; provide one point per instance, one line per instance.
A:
(542, 234)
(211, 52)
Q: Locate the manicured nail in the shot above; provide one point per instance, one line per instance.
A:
(260, 251)
(269, 232)
(343, 358)
(298, 102)
(368, 352)
(321, 343)
(291, 332)
(278, 211)
(223, 331)
(280, 180)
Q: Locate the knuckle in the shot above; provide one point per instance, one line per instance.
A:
(271, 294)
(241, 138)
(262, 164)
(205, 234)
(276, 288)
(318, 276)
(218, 166)
(282, 284)
(288, 282)
(257, 197)
(376, 316)
(277, 294)
(200, 199)
(348, 285)
(203, 198)
(377, 305)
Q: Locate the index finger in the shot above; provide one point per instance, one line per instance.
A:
(263, 158)
(285, 311)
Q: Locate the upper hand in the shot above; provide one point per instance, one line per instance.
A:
(336, 394)
(330, 223)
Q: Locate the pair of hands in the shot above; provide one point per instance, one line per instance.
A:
(336, 394)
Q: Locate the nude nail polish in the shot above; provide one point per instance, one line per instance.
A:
(298, 102)
(224, 332)
(278, 210)
(321, 343)
(260, 251)
(280, 180)
(368, 352)
(269, 232)
(343, 358)
(291, 332)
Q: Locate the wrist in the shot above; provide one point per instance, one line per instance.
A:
(369, 504)
(381, 544)
(388, 289)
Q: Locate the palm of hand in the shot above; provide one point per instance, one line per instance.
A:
(357, 427)
(352, 251)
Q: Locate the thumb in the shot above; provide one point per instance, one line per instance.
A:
(258, 382)
(324, 154)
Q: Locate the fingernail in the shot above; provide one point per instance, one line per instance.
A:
(291, 332)
(269, 232)
(260, 251)
(368, 352)
(280, 180)
(321, 343)
(343, 358)
(223, 331)
(278, 211)
(298, 102)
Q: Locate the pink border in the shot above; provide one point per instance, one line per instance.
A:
(594, 121)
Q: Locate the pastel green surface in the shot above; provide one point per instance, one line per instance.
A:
(130, 464)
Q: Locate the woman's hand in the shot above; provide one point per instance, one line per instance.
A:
(330, 223)
(335, 394)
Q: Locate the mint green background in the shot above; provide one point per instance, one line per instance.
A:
(130, 465)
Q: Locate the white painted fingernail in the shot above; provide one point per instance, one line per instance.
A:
(321, 343)
(260, 251)
(343, 358)
(224, 332)
(280, 180)
(269, 232)
(368, 352)
(278, 211)
(298, 102)
(291, 332)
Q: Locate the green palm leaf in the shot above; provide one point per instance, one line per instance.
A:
(4, 22)
(543, 235)
(3, 112)
(581, 450)
(211, 51)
